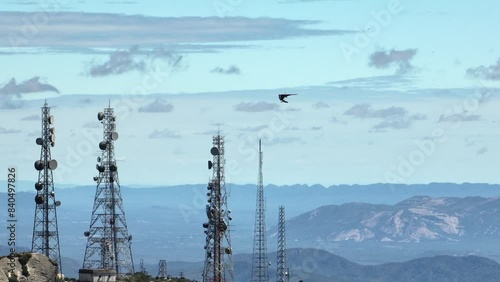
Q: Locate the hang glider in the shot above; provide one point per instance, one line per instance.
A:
(283, 97)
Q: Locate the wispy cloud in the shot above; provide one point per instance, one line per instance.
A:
(92, 124)
(284, 140)
(253, 128)
(107, 30)
(376, 82)
(400, 58)
(133, 59)
(31, 85)
(365, 111)
(255, 107)
(491, 72)
(321, 105)
(230, 70)
(463, 116)
(8, 131)
(158, 106)
(482, 151)
(31, 117)
(165, 133)
(392, 117)
(85, 101)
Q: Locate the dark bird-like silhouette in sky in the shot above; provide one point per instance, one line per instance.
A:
(283, 97)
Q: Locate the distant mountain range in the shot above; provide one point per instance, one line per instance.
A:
(314, 265)
(383, 225)
(416, 219)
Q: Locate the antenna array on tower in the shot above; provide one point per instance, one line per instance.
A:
(108, 241)
(45, 232)
(218, 240)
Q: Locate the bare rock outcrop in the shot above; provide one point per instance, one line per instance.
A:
(30, 267)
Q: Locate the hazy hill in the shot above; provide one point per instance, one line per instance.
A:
(166, 222)
(416, 219)
(321, 266)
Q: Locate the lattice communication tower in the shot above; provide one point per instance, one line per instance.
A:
(218, 251)
(108, 240)
(162, 269)
(282, 271)
(45, 238)
(260, 263)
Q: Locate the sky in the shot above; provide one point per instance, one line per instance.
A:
(394, 91)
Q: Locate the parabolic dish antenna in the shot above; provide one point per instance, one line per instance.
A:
(52, 164)
(214, 151)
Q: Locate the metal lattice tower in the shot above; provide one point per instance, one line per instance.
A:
(162, 272)
(108, 241)
(260, 263)
(218, 252)
(282, 271)
(45, 238)
(142, 268)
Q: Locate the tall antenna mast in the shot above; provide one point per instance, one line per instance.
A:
(260, 263)
(108, 240)
(218, 251)
(45, 238)
(282, 271)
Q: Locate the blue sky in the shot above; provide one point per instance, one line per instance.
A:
(389, 91)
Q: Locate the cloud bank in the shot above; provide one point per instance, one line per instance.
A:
(400, 58)
(31, 85)
(491, 72)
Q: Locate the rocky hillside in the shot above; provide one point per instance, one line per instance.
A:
(28, 267)
(416, 219)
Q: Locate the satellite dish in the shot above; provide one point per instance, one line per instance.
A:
(51, 119)
(228, 250)
(39, 141)
(39, 199)
(100, 115)
(96, 178)
(53, 144)
(102, 145)
(86, 234)
(205, 225)
(52, 130)
(114, 136)
(99, 159)
(111, 179)
(130, 237)
(57, 203)
(214, 151)
(52, 164)
(210, 164)
(52, 138)
(39, 165)
(38, 186)
(100, 168)
(113, 167)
